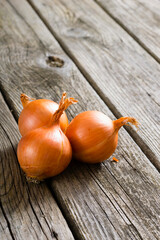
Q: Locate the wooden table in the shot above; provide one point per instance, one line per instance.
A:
(111, 54)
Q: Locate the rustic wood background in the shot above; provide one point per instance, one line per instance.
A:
(111, 59)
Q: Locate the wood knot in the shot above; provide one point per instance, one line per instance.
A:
(53, 61)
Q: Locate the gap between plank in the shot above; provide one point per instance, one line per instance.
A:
(93, 88)
(8, 103)
(34, 212)
(66, 217)
(128, 31)
(149, 154)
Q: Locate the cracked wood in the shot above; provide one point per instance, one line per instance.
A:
(103, 201)
(140, 18)
(121, 71)
(29, 209)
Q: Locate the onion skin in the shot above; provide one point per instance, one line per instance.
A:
(45, 152)
(37, 113)
(94, 136)
(44, 157)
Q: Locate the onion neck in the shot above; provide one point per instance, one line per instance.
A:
(63, 105)
(25, 100)
(124, 121)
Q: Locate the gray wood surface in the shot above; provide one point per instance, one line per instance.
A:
(103, 201)
(141, 18)
(119, 69)
(4, 227)
(29, 209)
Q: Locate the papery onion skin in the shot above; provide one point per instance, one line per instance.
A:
(94, 136)
(45, 152)
(37, 113)
(44, 157)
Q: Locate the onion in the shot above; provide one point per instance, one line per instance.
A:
(45, 152)
(37, 113)
(94, 136)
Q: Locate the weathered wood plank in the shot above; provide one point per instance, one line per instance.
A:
(123, 73)
(118, 199)
(107, 201)
(4, 229)
(140, 18)
(29, 209)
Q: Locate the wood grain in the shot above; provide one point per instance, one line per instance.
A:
(122, 72)
(140, 18)
(105, 201)
(4, 228)
(117, 205)
(29, 209)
